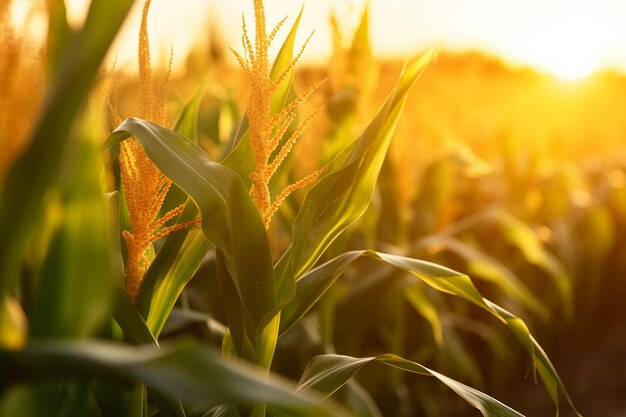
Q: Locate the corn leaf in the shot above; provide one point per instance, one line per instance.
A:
(241, 335)
(74, 292)
(187, 125)
(187, 121)
(524, 238)
(230, 219)
(182, 253)
(192, 373)
(173, 266)
(417, 297)
(361, 48)
(360, 401)
(130, 321)
(462, 286)
(342, 196)
(312, 285)
(327, 373)
(59, 32)
(136, 332)
(181, 318)
(488, 268)
(39, 165)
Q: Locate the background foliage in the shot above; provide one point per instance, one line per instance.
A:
(359, 268)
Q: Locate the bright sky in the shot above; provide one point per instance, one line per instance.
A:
(570, 38)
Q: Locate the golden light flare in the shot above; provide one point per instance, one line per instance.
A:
(570, 39)
(570, 47)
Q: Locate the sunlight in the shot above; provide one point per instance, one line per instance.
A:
(568, 48)
(565, 38)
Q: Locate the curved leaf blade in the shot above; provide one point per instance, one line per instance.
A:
(194, 374)
(174, 265)
(67, 303)
(187, 122)
(38, 167)
(341, 197)
(314, 284)
(130, 321)
(230, 219)
(524, 238)
(183, 251)
(492, 270)
(328, 373)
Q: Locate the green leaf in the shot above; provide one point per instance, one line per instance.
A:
(187, 122)
(129, 319)
(284, 58)
(136, 331)
(192, 373)
(182, 253)
(187, 125)
(39, 165)
(174, 265)
(241, 328)
(312, 285)
(359, 400)
(341, 197)
(74, 292)
(542, 363)
(327, 373)
(361, 49)
(417, 297)
(59, 33)
(181, 318)
(230, 219)
(524, 238)
(484, 266)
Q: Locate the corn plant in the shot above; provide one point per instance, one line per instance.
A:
(83, 325)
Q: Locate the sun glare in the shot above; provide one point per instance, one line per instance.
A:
(568, 47)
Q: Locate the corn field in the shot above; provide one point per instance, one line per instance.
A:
(261, 237)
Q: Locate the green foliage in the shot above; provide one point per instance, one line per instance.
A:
(62, 274)
(327, 373)
(194, 374)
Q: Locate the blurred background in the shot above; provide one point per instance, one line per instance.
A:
(570, 39)
(508, 164)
